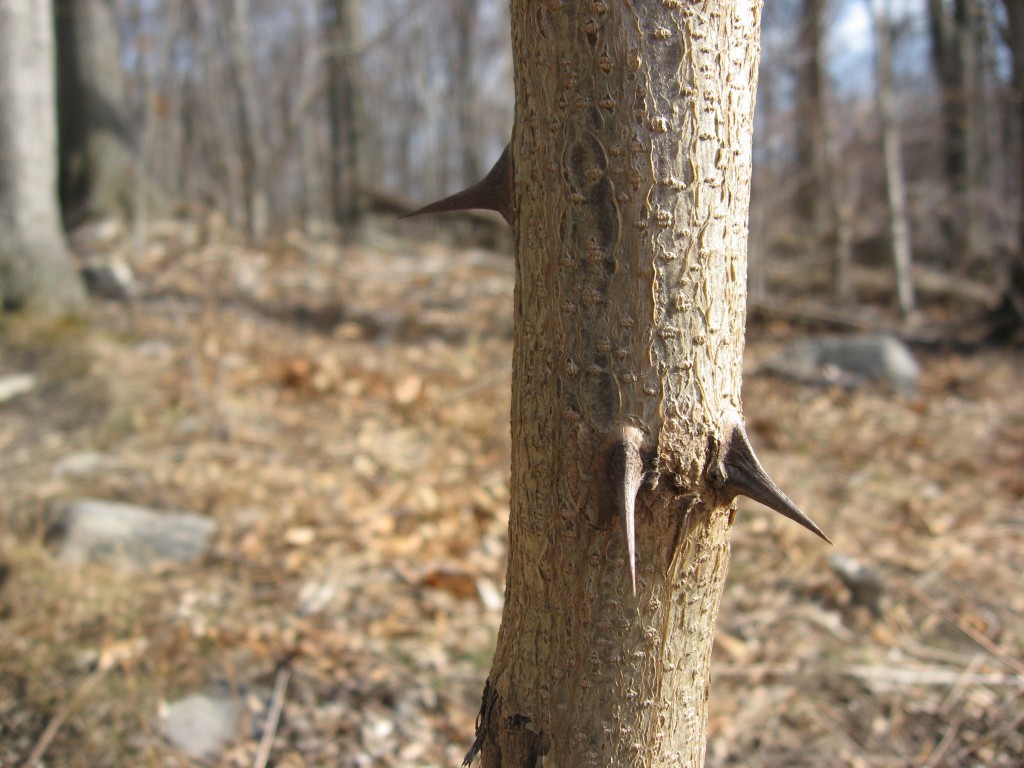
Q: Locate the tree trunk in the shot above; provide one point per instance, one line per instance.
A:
(463, 90)
(36, 272)
(251, 139)
(96, 151)
(342, 27)
(956, 47)
(811, 129)
(1009, 315)
(899, 228)
(632, 163)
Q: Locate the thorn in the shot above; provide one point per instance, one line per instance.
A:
(492, 193)
(625, 475)
(740, 473)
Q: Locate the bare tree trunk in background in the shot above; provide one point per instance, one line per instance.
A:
(212, 128)
(464, 91)
(314, 188)
(956, 54)
(894, 182)
(155, 52)
(342, 27)
(810, 121)
(97, 156)
(632, 166)
(36, 272)
(251, 125)
(1011, 310)
(186, 185)
(821, 195)
(843, 186)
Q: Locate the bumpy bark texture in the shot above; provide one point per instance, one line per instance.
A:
(632, 173)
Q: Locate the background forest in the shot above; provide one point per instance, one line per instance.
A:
(306, 401)
(888, 132)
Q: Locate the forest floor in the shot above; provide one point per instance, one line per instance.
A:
(342, 415)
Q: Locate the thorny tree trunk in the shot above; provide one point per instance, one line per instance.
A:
(895, 188)
(36, 272)
(632, 163)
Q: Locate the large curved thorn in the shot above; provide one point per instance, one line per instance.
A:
(741, 473)
(625, 474)
(492, 193)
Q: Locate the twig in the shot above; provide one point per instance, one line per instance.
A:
(1009, 726)
(898, 676)
(273, 717)
(947, 740)
(968, 630)
(52, 727)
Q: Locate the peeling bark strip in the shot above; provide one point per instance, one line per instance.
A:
(629, 189)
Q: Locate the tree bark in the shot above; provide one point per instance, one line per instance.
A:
(899, 227)
(956, 46)
(36, 272)
(632, 165)
(96, 150)
(811, 129)
(1009, 315)
(251, 136)
(463, 90)
(343, 33)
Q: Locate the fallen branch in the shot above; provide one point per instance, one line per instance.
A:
(273, 718)
(930, 676)
(62, 714)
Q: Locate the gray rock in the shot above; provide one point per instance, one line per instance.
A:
(201, 725)
(866, 585)
(129, 536)
(15, 384)
(155, 349)
(96, 235)
(849, 361)
(82, 463)
(110, 279)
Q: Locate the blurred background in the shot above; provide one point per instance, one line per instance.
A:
(255, 489)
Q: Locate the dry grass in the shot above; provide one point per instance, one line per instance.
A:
(343, 416)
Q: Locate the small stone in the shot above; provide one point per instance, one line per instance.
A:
(92, 530)
(112, 279)
(81, 464)
(96, 235)
(849, 361)
(15, 385)
(155, 349)
(865, 584)
(201, 725)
